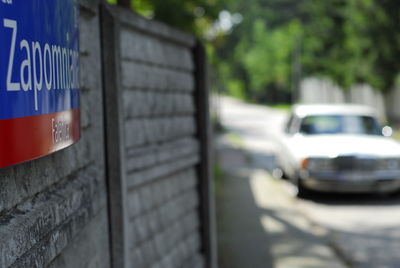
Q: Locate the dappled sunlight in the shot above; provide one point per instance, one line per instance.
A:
(296, 242)
(320, 229)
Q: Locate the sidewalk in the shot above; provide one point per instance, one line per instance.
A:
(257, 223)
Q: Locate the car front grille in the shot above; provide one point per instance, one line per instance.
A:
(354, 163)
(343, 163)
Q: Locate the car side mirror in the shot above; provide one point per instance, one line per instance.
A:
(387, 131)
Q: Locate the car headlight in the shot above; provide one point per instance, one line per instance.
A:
(317, 164)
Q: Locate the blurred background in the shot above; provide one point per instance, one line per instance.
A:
(267, 50)
(264, 56)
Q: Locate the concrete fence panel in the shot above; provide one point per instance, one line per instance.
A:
(135, 190)
(316, 90)
(154, 143)
(392, 99)
(366, 95)
(53, 211)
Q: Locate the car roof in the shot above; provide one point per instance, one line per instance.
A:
(303, 110)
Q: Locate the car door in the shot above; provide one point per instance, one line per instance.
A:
(286, 158)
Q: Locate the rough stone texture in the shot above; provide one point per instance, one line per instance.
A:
(153, 28)
(137, 75)
(148, 156)
(161, 149)
(138, 47)
(53, 211)
(87, 249)
(139, 103)
(145, 131)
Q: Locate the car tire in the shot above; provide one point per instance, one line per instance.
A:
(302, 191)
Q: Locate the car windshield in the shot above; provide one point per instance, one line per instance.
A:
(340, 124)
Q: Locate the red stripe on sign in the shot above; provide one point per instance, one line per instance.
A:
(26, 138)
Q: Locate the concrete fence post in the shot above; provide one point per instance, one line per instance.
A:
(114, 135)
(207, 210)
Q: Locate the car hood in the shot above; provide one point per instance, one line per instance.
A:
(335, 145)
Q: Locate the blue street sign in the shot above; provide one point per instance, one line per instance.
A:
(39, 78)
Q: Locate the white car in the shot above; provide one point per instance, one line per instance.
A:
(339, 148)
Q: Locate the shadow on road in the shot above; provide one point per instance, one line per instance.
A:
(254, 236)
(263, 161)
(364, 247)
(339, 199)
(242, 241)
(360, 229)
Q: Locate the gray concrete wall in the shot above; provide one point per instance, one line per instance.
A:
(53, 211)
(366, 95)
(316, 90)
(156, 180)
(392, 100)
(134, 191)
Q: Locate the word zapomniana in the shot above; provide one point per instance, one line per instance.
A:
(48, 67)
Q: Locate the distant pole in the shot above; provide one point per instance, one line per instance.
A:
(296, 70)
(125, 3)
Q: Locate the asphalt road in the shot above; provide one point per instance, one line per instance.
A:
(362, 230)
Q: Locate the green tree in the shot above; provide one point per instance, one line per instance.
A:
(278, 41)
(193, 16)
(353, 41)
(269, 61)
(380, 31)
(260, 51)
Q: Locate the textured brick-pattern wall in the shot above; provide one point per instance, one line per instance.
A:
(53, 211)
(58, 212)
(160, 147)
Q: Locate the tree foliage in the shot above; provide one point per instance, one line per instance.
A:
(194, 16)
(347, 41)
(280, 41)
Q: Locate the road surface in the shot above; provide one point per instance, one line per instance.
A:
(361, 230)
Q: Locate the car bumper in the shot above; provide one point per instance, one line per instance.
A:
(353, 182)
